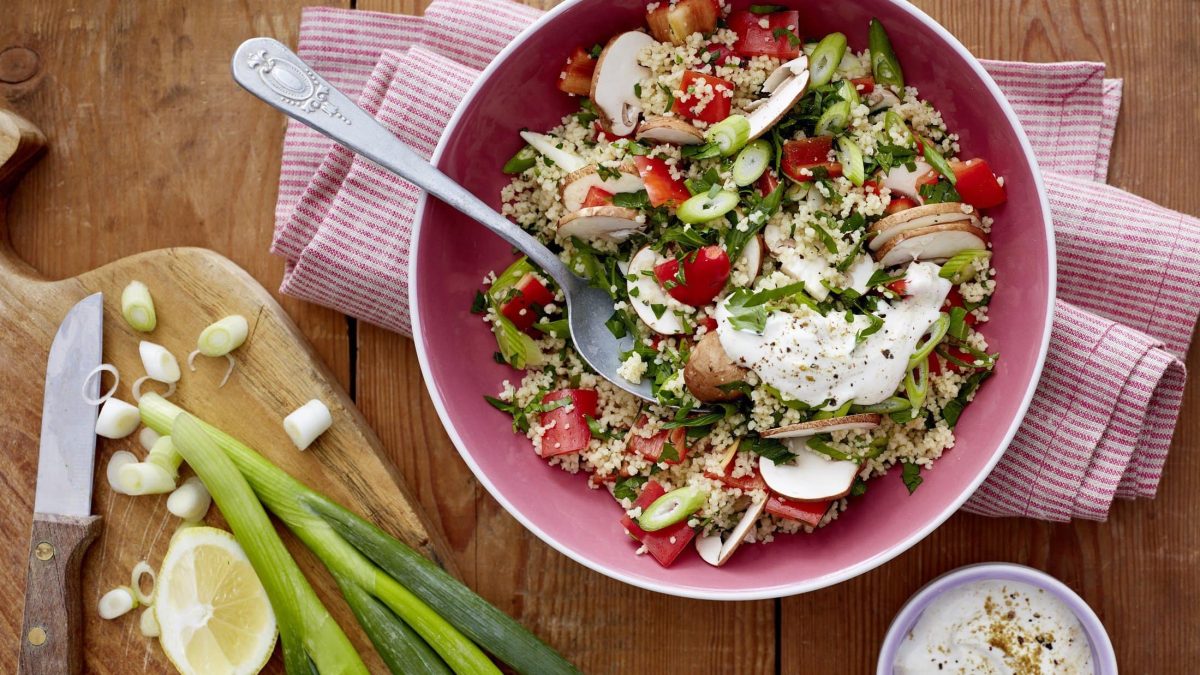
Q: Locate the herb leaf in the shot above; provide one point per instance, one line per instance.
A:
(770, 448)
(630, 487)
(911, 475)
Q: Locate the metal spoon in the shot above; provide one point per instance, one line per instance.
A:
(269, 70)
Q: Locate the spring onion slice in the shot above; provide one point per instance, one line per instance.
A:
(891, 405)
(917, 387)
(147, 437)
(148, 623)
(884, 64)
(525, 158)
(936, 332)
(848, 92)
(138, 307)
(730, 134)
(190, 501)
(818, 444)
(307, 422)
(703, 208)
(752, 162)
(672, 507)
(851, 157)
(117, 419)
(960, 268)
(518, 349)
(137, 388)
(119, 459)
(156, 475)
(159, 363)
(900, 133)
(140, 570)
(938, 162)
(223, 336)
(824, 61)
(117, 602)
(102, 368)
(191, 361)
(834, 120)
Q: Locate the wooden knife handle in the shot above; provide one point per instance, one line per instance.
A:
(51, 639)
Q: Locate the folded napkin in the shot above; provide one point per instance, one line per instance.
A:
(1101, 421)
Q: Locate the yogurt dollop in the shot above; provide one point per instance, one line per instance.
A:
(996, 627)
(815, 359)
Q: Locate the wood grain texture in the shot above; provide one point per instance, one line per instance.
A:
(144, 168)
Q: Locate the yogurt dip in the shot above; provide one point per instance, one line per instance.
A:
(995, 626)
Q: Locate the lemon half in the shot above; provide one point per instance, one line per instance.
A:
(212, 610)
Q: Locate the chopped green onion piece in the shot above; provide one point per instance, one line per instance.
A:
(138, 307)
(190, 501)
(917, 387)
(525, 158)
(895, 126)
(117, 602)
(851, 157)
(960, 268)
(848, 93)
(825, 59)
(834, 120)
(307, 422)
(730, 134)
(671, 508)
(224, 336)
(884, 64)
(938, 162)
(892, 405)
(518, 349)
(703, 208)
(958, 323)
(818, 444)
(509, 278)
(752, 162)
(936, 332)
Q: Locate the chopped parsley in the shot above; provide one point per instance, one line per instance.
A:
(630, 487)
(911, 475)
(770, 448)
(941, 191)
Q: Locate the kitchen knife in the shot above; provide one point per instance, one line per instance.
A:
(63, 524)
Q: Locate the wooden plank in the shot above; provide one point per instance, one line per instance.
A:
(1138, 569)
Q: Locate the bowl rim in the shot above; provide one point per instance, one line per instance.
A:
(1103, 653)
(768, 591)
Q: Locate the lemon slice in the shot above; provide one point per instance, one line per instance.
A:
(213, 613)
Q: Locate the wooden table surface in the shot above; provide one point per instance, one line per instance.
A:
(152, 145)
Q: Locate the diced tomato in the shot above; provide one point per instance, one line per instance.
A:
(779, 38)
(704, 275)
(937, 365)
(753, 481)
(523, 305)
(802, 158)
(716, 109)
(708, 322)
(720, 54)
(661, 186)
(570, 432)
(598, 196)
(767, 182)
(863, 85)
(665, 544)
(870, 187)
(652, 448)
(809, 513)
(577, 74)
(977, 185)
(955, 299)
(899, 287)
(899, 204)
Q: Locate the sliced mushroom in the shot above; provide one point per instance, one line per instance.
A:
(709, 368)
(751, 258)
(934, 243)
(577, 185)
(917, 217)
(606, 223)
(548, 147)
(617, 75)
(784, 94)
(811, 477)
(785, 72)
(670, 130)
(645, 292)
(900, 179)
(709, 547)
(881, 98)
(825, 426)
(719, 556)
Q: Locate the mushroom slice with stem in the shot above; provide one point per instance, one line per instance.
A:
(934, 243)
(811, 477)
(718, 552)
(917, 217)
(616, 79)
(825, 426)
(670, 130)
(606, 223)
(649, 300)
(787, 90)
(709, 369)
(578, 183)
(751, 259)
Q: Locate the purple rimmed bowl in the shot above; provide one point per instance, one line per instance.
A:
(451, 254)
(1104, 659)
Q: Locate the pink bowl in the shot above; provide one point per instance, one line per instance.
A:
(451, 255)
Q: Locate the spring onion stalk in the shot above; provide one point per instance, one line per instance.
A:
(851, 157)
(525, 158)
(138, 307)
(400, 648)
(707, 206)
(884, 64)
(824, 61)
(307, 630)
(158, 363)
(102, 368)
(190, 501)
(119, 459)
(730, 134)
(917, 387)
(752, 162)
(147, 437)
(936, 332)
(892, 405)
(148, 623)
(223, 336)
(117, 419)
(140, 570)
(960, 268)
(385, 568)
(938, 162)
(117, 602)
(834, 120)
(307, 422)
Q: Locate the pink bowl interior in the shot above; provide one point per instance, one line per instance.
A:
(453, 254)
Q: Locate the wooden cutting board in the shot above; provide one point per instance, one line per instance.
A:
(277, 372)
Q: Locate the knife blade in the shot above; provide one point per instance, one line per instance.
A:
(63, 526)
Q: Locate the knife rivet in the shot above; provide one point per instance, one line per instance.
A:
(37, 636)
(44, 551)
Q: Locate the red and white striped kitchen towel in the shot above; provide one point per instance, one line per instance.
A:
(1101, 422)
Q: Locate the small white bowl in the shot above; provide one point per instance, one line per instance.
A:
(1103, 656)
